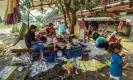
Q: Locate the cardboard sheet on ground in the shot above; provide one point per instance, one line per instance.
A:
(6, 72)
(91, 65)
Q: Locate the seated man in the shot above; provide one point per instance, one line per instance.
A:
(101, 42)
(51, 35)
(31, 43)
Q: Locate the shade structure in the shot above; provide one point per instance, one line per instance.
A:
(99, 19)
(3, 4)
(12, 13)
(38, 4)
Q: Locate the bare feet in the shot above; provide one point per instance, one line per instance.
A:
(55, 49)
(42, 59)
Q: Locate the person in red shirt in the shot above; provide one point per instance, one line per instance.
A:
(113, 38)
(51, 35)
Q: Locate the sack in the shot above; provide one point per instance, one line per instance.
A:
(85, 57)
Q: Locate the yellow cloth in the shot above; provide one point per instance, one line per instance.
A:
(11, 4)
(76, 30)
(91, 65)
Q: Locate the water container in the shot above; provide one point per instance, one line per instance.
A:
(59, 53)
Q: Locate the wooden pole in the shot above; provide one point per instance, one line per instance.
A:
(28, 15)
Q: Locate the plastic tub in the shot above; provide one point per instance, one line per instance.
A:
(72, 53)
(49, 56)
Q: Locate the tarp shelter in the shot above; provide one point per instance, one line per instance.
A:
(3, 4)
(121, 18)
(38, 4)
(10, 11)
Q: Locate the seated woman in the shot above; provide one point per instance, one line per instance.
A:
(113, 38)
(101, 42)
(31, 43)
(51, 35)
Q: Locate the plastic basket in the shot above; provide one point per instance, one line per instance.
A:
(71, 53)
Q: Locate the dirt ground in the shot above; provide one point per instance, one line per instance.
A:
(100, 75)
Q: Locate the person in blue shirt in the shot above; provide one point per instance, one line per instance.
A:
(102, 42)
(117, 62)
(62, 28)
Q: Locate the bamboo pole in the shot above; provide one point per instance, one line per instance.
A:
(28, 15)
(111, 5)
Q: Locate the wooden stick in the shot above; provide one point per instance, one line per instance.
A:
(22, 50)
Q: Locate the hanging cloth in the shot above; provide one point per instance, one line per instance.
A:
(121, 25)
(131, 4)
(12, 14)
(131, 23)
(82, 31)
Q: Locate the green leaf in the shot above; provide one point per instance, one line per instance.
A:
(79, 1)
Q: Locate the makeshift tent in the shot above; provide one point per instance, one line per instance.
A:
(38, 4)
(12, 14)
(3, 4)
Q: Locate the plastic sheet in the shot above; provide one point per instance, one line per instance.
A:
(22, 59)
(40, 66)
(95, 51)
(91, 65)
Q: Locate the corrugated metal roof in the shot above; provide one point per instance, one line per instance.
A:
(122, 18)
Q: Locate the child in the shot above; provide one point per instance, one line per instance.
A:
(39, 46)
(51, 35)
(116, 61)
(75, 41)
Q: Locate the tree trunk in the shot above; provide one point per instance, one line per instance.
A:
(68, 15)
(65, 19)
(73, 22)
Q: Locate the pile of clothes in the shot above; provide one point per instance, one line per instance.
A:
(23, 59)
(40, 66)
